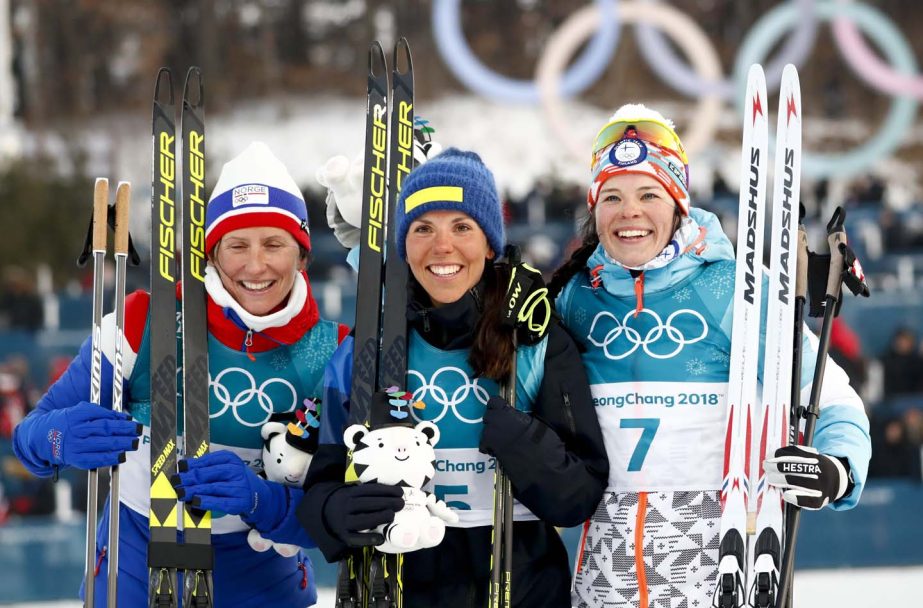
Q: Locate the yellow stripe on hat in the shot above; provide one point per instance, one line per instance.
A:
(448, 194)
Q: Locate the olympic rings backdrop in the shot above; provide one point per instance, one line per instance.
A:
(601, 23)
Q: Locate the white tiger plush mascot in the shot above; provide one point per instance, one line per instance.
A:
(402, 455)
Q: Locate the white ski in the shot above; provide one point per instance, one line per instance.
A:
(777, 366)
(732, 563)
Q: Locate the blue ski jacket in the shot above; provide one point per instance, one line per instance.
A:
(658, 363)
(242, 385)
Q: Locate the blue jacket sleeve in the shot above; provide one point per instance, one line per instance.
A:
(71, 388)
(335, 405)
(328, 467)
(842, 428)
(288, 530)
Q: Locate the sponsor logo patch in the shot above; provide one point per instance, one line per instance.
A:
(250, 194)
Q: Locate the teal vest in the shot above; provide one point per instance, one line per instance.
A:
(244, 393)
(455, 401)
(677, 337)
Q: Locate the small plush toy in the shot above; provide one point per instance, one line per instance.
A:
(289, 443)
(395, 452)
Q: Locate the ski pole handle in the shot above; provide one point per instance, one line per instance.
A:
(122, 200)
(100, 213)
(836, 239)
(801, 267)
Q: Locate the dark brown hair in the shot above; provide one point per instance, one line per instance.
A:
(492, 352)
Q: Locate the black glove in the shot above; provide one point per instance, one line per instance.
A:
(527, 307)
(352, 511)
(502, 425)
(807, 478)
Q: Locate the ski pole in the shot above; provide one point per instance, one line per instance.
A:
(100, 212)
(836, 238)
(801, 297)
(122, 198)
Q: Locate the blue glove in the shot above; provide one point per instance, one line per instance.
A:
(85, 436)
(221, 481)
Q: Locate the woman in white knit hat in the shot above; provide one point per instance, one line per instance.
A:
(267, 350)
(649, 296)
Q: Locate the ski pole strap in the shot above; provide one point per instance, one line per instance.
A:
(133, 257)
(836, 238)
(527, 305)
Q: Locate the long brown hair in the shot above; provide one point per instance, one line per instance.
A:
(492, 352)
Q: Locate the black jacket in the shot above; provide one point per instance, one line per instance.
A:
(557, 465)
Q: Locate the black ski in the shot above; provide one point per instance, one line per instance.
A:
(163, 552)
(367, 577)
(352, 578)
(166, 556)
(392, 369)
(197, 547)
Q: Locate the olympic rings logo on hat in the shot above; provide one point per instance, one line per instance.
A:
(623, 333)
(248, 394)
(601, 23)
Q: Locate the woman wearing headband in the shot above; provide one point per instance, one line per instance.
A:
(649, 296)
(450, 232)
(267, 348)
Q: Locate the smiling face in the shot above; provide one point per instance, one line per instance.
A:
(257, 266)
(446, 252)
(635, 218)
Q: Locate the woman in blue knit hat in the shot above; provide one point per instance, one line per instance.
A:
(267, 350)
(649, 296)
(450, 232)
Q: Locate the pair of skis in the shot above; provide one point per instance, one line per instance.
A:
(750, 577)
(368, 578)
(102, 214)
(758, 574)
(178, 224)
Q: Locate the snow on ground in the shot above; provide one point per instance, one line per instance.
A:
(849, 588)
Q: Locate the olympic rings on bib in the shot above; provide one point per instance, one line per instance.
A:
(899, 77)
(248, 393)
(625, 339)
(434, 393)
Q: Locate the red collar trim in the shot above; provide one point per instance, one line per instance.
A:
(232, 336)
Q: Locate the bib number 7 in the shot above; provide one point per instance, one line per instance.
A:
(648, 428)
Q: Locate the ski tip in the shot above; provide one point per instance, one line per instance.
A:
(377, 55)
(194, 75)
(101, 182)
(123, 185)
(164, 83)
(402, 47)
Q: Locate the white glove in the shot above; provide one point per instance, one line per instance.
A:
(441, 510)
(343, 181)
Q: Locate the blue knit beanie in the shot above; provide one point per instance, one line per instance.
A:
(454, 180)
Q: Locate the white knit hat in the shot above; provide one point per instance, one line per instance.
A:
(255, 189)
